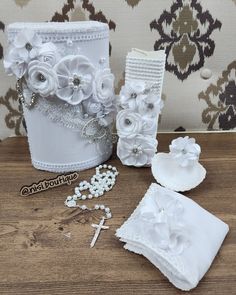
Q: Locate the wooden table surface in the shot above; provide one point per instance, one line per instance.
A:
(36, 257)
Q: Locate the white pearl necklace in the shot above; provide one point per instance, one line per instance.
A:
(100, 183)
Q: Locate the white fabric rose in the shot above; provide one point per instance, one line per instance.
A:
(92, 106)
(41, 78)
(128, 124)
(130, 93)
(150, 105)
(104, 86)
(185, 151)
(48, 53)
(137, 151)
(75, 77)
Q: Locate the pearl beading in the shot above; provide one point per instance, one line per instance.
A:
(60, 33)
(100, 183)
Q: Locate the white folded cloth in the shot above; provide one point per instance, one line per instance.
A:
(177, 235)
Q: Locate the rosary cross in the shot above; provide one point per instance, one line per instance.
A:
(98, 227)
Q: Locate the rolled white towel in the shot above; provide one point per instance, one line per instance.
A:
(177, 235)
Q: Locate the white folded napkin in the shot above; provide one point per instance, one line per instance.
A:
(177, 235)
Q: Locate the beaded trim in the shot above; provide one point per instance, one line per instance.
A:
(61, 37)
(57, 32)
(78, 166)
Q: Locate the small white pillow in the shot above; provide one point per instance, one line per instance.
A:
(177, 235)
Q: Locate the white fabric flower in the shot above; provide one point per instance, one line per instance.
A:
(14, 63)
(24, 48)
(162, 219)
(137, 151)
(48, 53)
(27, 44)
(185, 151)
(104, 86)
(130, 93)
(92, 107)
(75, 77)
(150, 105)
(130, 124)
(41, 78)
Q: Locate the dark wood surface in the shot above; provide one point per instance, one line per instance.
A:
(37, 258)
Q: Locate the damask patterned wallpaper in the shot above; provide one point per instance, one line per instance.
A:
(199, 38)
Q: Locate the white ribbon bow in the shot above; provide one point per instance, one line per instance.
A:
(162, 220)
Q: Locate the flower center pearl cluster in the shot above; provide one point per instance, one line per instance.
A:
(100, 183)
(75, 81)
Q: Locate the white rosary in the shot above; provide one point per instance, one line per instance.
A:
(100, 183)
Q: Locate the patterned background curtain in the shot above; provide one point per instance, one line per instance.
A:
(199, 37)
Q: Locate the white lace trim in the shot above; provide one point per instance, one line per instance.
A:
(62, 113)
(169, 270)
(77, 166)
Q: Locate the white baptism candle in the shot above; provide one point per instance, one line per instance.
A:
(141, 104)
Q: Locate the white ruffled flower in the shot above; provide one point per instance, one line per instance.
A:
(14, 64)
(41, 78)
(24, 48)
(27, 44)
(137, 151)
(104, 86)
(130, 93)
(150, 105)
(162, 218)
(185, 151)
(48, 53)
(75, 77)
(130, 124)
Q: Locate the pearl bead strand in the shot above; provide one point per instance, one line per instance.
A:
(100, 183)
